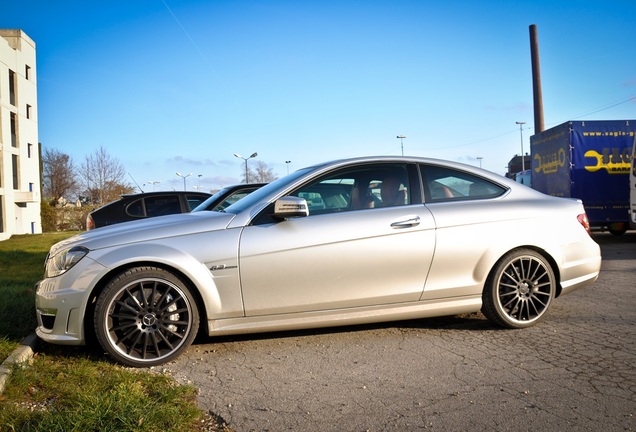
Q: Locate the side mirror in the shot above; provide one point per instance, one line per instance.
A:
(290, 206)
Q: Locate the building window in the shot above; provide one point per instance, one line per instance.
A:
(29, 150)
(14, 130)
(1, 216)
(14, 165)
(27, 72)
(11, 87)
(28, 111)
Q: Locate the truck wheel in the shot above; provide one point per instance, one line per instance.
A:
(145, 316)
(617, 229)
(519, 289)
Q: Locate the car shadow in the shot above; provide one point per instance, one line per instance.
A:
(465, 322)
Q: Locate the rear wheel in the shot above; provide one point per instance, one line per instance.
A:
(519, 290)
(146, 316)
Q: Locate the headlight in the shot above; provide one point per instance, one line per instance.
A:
(64, 260)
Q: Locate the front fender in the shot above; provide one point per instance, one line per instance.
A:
(210, 267)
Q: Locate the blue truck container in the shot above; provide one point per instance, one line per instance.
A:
(589, 160)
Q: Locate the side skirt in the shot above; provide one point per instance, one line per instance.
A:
(344, 317)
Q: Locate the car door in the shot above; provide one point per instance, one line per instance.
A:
(353, 250)
(471, 222)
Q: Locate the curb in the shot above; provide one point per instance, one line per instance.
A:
(21, 354)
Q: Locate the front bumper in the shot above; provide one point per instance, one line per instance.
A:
(60, 303)
(60, 316)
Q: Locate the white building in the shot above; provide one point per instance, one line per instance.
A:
(19, 148)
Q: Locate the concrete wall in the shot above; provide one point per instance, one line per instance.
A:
(20, 183)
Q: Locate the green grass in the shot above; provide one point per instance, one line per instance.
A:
(70, 391)
(22, 265)
(70, 388)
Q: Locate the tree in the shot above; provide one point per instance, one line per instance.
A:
(103, 178)
(260, 174)
(59, 175)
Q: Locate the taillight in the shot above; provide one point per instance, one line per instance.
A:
(583, 220)
(90, 224)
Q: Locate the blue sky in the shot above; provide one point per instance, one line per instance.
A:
(182, 85)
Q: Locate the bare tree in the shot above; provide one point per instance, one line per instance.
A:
(59, 175)
(260, 174)
(103, 178)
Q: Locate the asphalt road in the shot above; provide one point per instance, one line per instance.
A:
(576, 370)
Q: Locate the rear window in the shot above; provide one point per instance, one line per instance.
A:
(444, 184)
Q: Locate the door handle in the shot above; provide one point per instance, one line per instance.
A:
(407, 223)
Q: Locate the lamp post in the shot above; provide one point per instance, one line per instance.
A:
(153, 183)
(479, 158)
(523, 158)
(401, 137)
(184, 176)
(287, 163)
(253, 155)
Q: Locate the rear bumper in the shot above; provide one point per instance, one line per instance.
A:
(582, 266)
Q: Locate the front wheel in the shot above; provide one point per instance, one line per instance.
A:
(519, 290)
(145, 316)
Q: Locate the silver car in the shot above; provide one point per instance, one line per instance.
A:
(346, 242)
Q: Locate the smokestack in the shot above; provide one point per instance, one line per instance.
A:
(536, 80)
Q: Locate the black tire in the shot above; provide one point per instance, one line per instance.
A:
(519, 289)
(617, 229)
(145, 316)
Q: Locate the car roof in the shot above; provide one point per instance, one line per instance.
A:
(157, 193)
(334, 164)
(243, 186)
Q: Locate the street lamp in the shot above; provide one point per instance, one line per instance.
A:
(479, 158)
(523, 158)
(184, 179)
(153, 183)
(401, 137)
(253, 155)
(287, 162)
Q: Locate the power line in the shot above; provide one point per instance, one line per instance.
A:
(612, 105)
(631, 98)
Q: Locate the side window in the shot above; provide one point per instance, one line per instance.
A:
(329, 195)
(363, 187)
(194, 201)
(136, 208)
(162, 205)
(445, 184)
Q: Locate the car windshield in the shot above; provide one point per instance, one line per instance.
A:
(260, 194)
(214, 198)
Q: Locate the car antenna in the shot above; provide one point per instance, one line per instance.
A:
(133, 179)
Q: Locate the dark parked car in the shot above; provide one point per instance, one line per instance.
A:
(144, 205)
(228, 196)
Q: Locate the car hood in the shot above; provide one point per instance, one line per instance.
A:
(148, 230)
